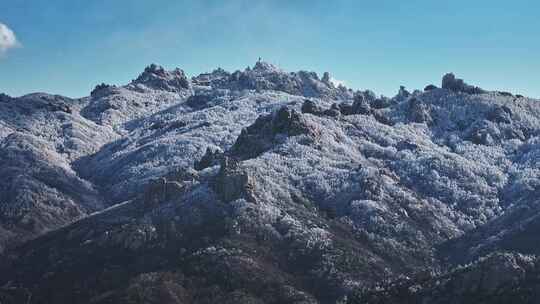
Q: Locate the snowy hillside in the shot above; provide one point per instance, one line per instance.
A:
(260, 186)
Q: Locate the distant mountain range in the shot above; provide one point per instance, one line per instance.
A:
(265, 186)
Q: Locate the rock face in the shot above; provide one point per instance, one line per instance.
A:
(360, 105)
(264, 186)
(209, 159)
(156, 77)
(261, 136)
(232, 182)
(450, 82)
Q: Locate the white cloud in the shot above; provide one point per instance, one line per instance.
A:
(8, 40)
(337, 82)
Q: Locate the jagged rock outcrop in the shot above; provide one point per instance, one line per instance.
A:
(156, 77)
(210, 158)
(360, 105)
(218, 78)
(402, 93)
(450, 82)
(162, 190)
(326, 78)
(232, 182)
(260, 136)
(265, 76)
(310, 107)
(102, 90)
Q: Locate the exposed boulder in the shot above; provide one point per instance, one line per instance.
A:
(232, 182)
(168, 187)
(382, 102)
(382, 117)
(217, 78)
(346, 108)
(326, 78)
(311, 107)
(156, 77)
(162, 190)
(199, 101)
(450, 82)
(260, 136)
(334, 110)
(402, 93)
(367, 104)
(101, 90)
(210, 158)
(361, 105)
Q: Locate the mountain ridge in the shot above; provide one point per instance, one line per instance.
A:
(318, 190)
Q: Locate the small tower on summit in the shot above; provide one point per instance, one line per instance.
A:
(260, 59)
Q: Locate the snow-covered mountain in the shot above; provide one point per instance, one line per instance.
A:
(261, 186)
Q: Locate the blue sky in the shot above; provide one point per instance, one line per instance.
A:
(67, 46)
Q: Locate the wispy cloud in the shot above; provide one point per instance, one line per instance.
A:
(8, 40)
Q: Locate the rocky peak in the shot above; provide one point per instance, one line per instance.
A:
(102, 89)
(450, 82)
(266, 76)
(403, 93)
(217, 78)
(156, 77)
(260, 136)
(326, 78)
(262, 66)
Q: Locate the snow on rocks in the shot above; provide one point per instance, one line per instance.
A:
(312, 173)
(450, 82)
